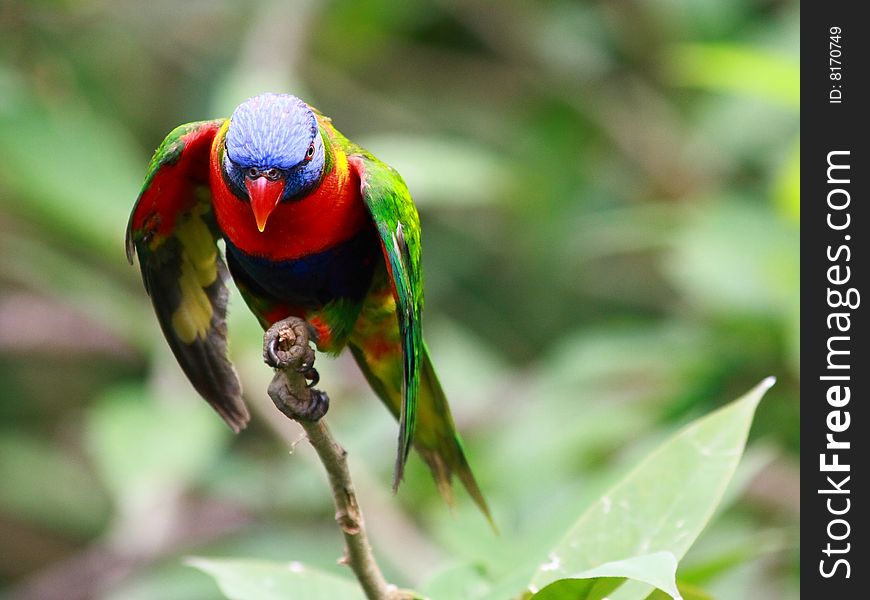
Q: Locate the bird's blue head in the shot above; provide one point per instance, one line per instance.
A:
(274, 152)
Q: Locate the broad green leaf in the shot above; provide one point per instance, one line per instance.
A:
(163, 580)
(665, 502)
(262, 580)
(687, 592)
(596, 588)
(658, 570)
(459, 582)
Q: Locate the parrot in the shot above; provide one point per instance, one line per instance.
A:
(313, 226)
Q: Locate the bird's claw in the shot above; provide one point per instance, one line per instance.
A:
(286, 348)
(310, 374)
(271, 353)
(305, 404)
(285, 344)
(318, 405)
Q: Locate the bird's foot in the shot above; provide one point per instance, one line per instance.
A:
(286, 348)
(285, 344)
(299, 402)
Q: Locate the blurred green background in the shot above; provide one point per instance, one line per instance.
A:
(609, 194)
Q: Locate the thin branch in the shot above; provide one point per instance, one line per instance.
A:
(347, 512)
(286, 348)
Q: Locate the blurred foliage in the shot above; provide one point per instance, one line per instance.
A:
(630, 539)
(610, 200)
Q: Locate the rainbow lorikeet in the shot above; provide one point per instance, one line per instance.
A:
(315, 227)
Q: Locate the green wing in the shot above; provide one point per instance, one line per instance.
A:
(398, 225)
(172, 230)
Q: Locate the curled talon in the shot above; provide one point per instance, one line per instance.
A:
(271, 352)
(318, 406)
(285, 344)
(311, 374)
(297, 400)
(286, 348)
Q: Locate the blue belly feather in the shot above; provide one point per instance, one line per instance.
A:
(342, 271)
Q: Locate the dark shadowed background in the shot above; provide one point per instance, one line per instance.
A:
(610, 203)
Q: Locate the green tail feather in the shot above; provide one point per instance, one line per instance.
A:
(447, 455)
(435, 437)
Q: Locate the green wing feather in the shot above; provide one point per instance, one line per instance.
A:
(171, 229)
(419, 401)
(398, 225)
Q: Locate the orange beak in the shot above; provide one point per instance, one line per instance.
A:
(264, 194)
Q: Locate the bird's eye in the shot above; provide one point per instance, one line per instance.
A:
(252, 172)
(310, 153)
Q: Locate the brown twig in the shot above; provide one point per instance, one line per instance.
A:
(359, 555)
(286, 348)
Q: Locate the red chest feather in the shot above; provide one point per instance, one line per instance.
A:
(332, 213)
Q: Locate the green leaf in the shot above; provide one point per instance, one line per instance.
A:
(664, 503)
(458, 582)
(687, 592)
(596, 588)
(263, 580)
(658, 570)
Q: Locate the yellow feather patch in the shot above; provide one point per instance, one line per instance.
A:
(339, 156)
(192, 318)
(341, 167)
